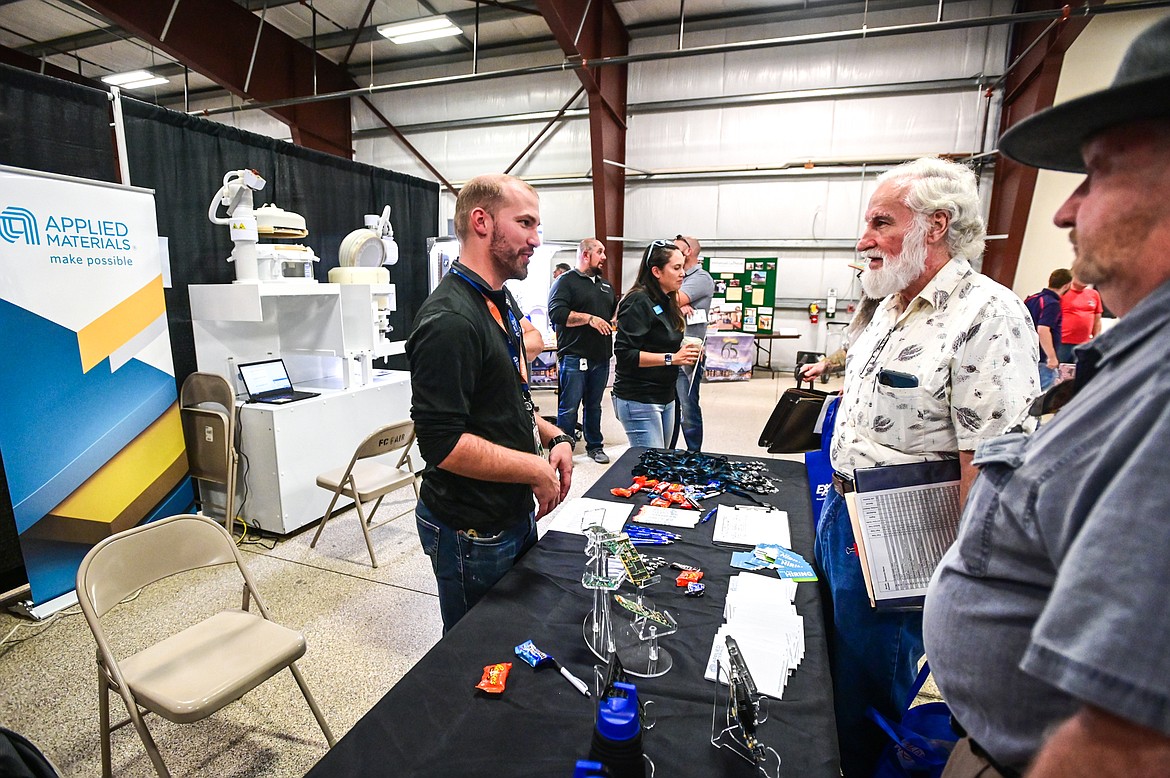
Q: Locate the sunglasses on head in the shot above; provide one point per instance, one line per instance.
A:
(656, 245)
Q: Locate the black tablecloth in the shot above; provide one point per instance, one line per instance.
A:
(434, 722)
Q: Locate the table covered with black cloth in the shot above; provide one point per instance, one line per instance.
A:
(434, 722)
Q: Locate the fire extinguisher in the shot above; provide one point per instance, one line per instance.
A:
(814, 313)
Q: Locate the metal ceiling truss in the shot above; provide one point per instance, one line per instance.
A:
(1037, 52)
(585, 30)
(249, 57)
(939, 86)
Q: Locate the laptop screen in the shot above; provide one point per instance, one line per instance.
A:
(262, 377)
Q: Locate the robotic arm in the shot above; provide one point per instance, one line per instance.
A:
(236, 196)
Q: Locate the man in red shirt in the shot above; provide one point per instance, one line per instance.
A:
(1080, 310)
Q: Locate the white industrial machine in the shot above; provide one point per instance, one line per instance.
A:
(327, 334)
(365, 251)
(367, 296)
(257, 262)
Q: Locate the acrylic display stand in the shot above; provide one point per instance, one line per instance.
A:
(598, 627)
(637, 640)
(728, 731)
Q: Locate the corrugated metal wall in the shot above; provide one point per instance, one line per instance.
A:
(704, 153)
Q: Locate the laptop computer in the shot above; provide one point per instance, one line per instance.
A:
(268, 382)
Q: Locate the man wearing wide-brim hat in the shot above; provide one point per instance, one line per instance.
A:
(1046, 624)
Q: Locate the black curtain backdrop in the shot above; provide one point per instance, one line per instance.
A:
(58, 127)
(184, 158)
(55, 126)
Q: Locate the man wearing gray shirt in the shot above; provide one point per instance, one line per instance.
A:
(1046, 622)
(695, 299)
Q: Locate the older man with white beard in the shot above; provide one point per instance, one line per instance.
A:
(949, 360)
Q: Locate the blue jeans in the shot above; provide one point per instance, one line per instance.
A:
(1064, 352)
(466, 566)
(688, 404)
(579, 385)
(873, 655)
(1047, 376)
(646, 424)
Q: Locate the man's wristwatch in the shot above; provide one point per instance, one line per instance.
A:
(668, 359)
(558, 440)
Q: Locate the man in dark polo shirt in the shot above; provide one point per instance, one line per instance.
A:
(474, 417)
(1046, 315)
(581, 305)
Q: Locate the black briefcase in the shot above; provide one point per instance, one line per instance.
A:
(790, 427)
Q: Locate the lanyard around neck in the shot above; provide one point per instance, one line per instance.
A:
(514, 346)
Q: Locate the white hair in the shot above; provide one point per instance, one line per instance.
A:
(931, 184)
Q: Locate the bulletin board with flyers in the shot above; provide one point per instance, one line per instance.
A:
(745, 293)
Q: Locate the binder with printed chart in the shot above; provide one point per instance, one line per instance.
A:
(904, 519)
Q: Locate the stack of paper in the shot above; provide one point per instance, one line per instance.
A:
(580, 512)
(667, 517)
(762, 618)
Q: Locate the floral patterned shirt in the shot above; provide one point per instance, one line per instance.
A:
(967, 343)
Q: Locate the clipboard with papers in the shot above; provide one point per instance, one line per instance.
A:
(904, 518)
(749, 525)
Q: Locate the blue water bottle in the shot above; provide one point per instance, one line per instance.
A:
(587, 769)
(617, 736)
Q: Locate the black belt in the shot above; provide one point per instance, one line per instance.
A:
(843, 484)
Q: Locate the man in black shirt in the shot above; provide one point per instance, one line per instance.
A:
(473, 414)
(581, 305)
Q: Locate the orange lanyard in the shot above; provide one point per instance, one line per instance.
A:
(521, 364)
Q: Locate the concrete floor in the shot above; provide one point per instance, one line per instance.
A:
(365, 628)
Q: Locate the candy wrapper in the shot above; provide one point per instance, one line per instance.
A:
(530, 653)
(494, 678)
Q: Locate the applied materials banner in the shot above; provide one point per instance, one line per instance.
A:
(91, 438)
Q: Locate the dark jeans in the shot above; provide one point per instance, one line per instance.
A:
(465, 566)
(689, 411)
(581, 386)
(873, 655)
(1064, 352)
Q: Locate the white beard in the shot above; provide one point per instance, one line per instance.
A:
(897, 272)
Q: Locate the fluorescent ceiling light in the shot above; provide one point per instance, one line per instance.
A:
(135, 79)
(121, 79)
(426, 36)
(152, 81)
(419, 29)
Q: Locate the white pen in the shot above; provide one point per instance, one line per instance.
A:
(577, 682)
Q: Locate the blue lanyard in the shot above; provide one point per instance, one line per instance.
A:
(514, 346)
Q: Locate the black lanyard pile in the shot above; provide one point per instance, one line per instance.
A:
(703, 471)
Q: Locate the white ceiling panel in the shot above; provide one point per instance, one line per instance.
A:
(43, 19)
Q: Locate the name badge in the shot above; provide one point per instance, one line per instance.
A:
(658, 309)
(584, 364)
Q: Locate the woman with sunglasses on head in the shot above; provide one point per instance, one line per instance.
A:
(649, 348)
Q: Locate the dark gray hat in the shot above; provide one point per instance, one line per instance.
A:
(1141, 90)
